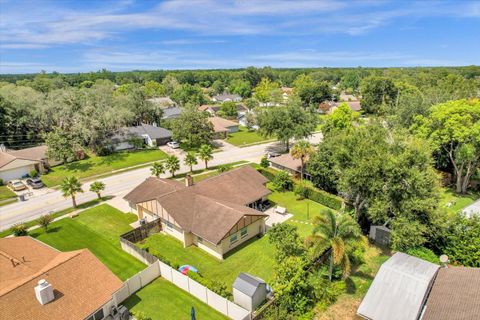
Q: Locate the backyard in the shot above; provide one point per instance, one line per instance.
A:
(245, 137)
(454, 202)
(97, 229)
(96, 165)
(163, 300)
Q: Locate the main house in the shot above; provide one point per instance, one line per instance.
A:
(39, 282)
(151, 135)
(215, 214)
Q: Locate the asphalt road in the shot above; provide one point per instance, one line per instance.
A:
(118, 184)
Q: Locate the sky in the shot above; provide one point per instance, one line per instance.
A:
(87, 35)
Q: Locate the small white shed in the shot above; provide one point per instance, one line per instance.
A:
(248, 291)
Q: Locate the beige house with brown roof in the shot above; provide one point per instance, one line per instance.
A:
(215, 214)
(14, 164)
(222, 127)
(39, 282)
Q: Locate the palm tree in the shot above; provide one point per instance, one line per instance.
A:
(70, 186)
(157, 169)
(172, 164)
(301, 150)
(205, 153)
(190, 160)
(333, 232)
(97, 187)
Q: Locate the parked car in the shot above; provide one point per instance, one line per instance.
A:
(272, 154)
(173, 144)
(35, 183)
(16, 185)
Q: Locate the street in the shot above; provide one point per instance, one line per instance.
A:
(118, 185)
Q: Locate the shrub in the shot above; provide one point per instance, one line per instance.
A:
(45, 220)
(283, 181)
(325, 198)
(33, 173)
(267, 173)
(218, 287)
(19, 230)
(301, 190)
(139, 315)
(1, 182)
(423, 253)
(224, 168)
(264, 163)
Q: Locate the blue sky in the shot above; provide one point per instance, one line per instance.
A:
(77, 36)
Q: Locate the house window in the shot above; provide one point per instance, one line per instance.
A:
(233, 238)
(169, 226)
(199, 239)
(97, 315)
(243, 232)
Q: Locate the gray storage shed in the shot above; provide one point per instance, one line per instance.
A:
(249, 291)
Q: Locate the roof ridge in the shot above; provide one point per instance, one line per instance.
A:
(69, 256)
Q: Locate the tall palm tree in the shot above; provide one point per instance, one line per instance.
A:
(70, 186)
(205, 153)
(157, 169)
(190, 160)
(97, 187)
(333, 232)
(172, 164)
(301, 150)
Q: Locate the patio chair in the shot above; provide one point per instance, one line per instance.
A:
(280, 210)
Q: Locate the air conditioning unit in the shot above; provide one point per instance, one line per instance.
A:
(120, 313)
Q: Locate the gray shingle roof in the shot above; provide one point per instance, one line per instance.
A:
(170, 113)
(247, 283)
(152, 131)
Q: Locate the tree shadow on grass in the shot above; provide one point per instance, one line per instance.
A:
(79, 166)
(115, 157)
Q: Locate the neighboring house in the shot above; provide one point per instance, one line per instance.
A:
(455, 295)
(213, 109)
(327, 107)
(227, 97)
(171, 113)
(288, 163)
(222, 127)
(15, 164)
(380, 235)
(39, 282)
(152, 136)
(286, 92)
(163, 102)
(249, 291)
(472, 209)
(399, 289)
(215, 214)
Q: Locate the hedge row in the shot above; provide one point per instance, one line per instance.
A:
(314, 194)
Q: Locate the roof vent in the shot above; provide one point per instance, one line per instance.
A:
(44, 292)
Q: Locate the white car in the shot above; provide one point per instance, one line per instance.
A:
(173, 144)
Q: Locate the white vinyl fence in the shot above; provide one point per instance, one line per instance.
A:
(158, 268)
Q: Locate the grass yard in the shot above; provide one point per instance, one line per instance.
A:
(355, 287)
(6, 193)
(245, 137)
(256, 256)
(303, 210)
(163, 300)
(96, 229)
(457, 202)
(96, 165)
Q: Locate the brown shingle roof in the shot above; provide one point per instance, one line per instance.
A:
(35, 154)
(221, 124)
(82, 284)
(455, 295)
(287, 161)
(211, 207)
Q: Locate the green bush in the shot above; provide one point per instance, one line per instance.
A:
(325, 198)
(216, 286)
(139, 315)
(301, 190)
(264, 163)
(282, 181)
(424, 253)
(33, 173)
(1, 182)
(19, 230)
(267, 173)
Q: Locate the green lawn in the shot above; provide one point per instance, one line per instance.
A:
(245, 137)
(302, 210)
(6, 193)
(256, 256)
(163, 300)
(96, 165)
(97, 229)
(457, 202)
